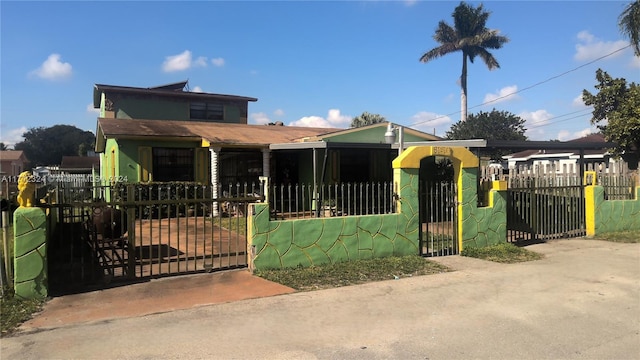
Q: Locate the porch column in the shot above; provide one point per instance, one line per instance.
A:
(214, 152)
(266, 163)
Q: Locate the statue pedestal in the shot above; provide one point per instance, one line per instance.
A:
(30, 253)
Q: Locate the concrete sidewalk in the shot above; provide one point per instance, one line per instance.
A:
(582, 301)
(153, 297)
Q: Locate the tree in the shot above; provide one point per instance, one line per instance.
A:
(47, 146)
(365, 119)
(494, 125)
(617, 113)
(3, 146)
(629, 23)
(469, 35)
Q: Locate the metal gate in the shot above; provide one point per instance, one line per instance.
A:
(138, 232)
(540, 209)
(438, 218)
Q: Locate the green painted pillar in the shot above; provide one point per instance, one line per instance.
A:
(30, 253)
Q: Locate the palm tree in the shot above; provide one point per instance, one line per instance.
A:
(469, 35)
(629, 23)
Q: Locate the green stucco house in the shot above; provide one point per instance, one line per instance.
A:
(167, 133)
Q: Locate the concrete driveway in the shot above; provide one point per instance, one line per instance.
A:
(581, 302)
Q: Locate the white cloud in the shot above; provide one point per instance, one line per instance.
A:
(410, 2)
(13, 136)
(53, 69)
(197, 89)
(333, 119)
(578, 102)
(535, 123)
(92, 110)
(219, 62)
(177, 62)
(429, 119)
(507, 93)
(200, 61)
(635, 62)
(260, 118)
(590, 48)
(430, 122)
(278, 112)
(565, 135)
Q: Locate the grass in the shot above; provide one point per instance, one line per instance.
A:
(621, 237)
(15, 311)
(502, 253)
(237, 224)
(352, 272)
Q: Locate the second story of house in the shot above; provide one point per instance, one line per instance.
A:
(169, 102)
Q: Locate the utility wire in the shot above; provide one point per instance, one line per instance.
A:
(555, 122)
(529, 87)
(544, 121)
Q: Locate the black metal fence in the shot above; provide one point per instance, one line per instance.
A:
(327, 200)
(438, 218)
(131, 232)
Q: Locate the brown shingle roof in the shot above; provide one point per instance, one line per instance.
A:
(79, 162)
(595, 138)
(11, 154)
(169, 90)
(222, 134)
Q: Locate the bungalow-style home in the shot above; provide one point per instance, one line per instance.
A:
(12, 162)
(564, 158)
(168, 134)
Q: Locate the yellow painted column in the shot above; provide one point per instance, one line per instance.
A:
(590, 209)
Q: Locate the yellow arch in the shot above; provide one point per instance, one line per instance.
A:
(410, 158)
(460, 157)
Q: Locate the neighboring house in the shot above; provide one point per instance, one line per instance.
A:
(79, 164)
(12, 162)
(565, 159)
(163, 134)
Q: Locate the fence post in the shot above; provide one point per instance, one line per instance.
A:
(131, 231)
(5, 242)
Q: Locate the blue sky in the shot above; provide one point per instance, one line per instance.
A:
(313, 63)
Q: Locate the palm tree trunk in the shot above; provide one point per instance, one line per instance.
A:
(463, 84)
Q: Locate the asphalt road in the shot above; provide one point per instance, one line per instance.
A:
(581, 302)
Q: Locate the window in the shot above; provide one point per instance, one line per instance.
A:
(207, 111)
(173, 164)
(239, 166)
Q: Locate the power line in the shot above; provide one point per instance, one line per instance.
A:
(555, 122)
(531, 86)
(544, 121)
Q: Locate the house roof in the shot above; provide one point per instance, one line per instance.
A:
(79, 162)
(380, 128)
(221, 134)
(12, 155)
(170, 90)
(586, 144)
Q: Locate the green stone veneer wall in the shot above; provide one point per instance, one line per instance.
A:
(605, 216)
(307, 242)
(482, 226)
(30, 260)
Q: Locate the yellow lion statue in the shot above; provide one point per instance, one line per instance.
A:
(26, 189)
